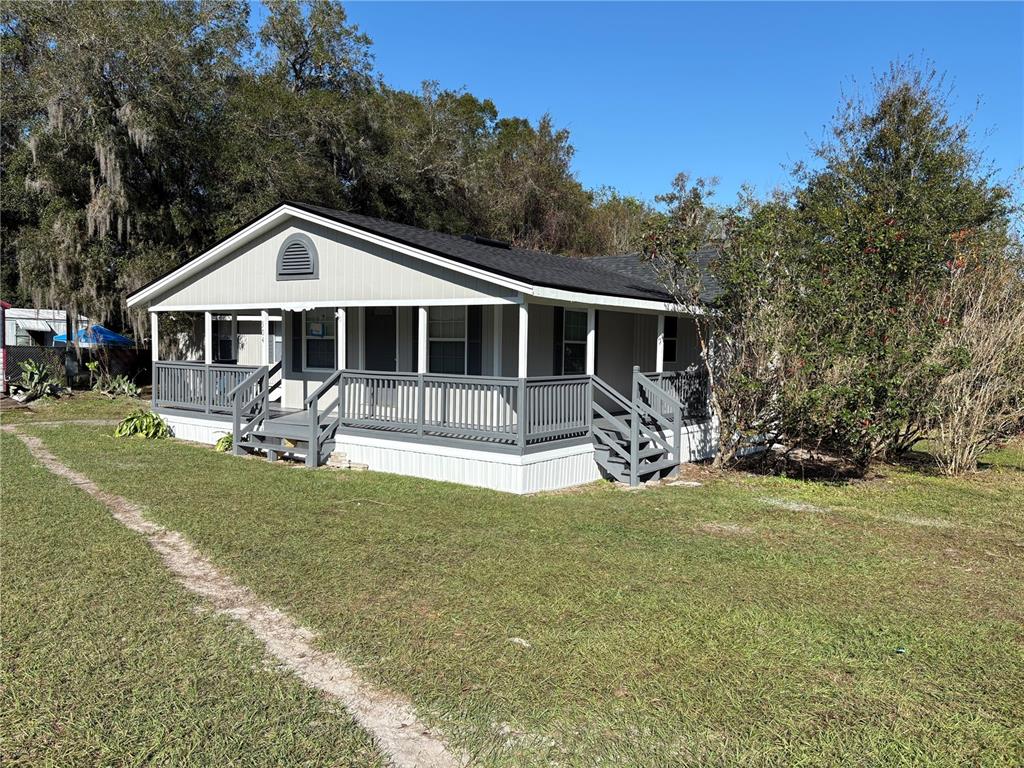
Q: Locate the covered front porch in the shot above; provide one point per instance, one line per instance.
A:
(501, 378)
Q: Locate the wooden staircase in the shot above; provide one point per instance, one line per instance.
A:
(307, 434)
(630, 443)
(285, 436)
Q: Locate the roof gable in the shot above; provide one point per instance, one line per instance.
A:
(348, 271)
(512, 269)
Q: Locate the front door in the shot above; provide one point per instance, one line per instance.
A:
(380, 339)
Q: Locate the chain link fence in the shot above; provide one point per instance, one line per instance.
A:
(51, 357)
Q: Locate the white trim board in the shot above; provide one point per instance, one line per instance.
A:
(296, 306)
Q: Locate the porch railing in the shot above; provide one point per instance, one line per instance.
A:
(496, 410)
(689, 387)
(250, 402)
(511, 414)
(196, 386)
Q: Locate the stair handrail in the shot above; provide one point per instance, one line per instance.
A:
(643, 382)
(630, 428)
(260, 375)
(608, 391)
(317, 437)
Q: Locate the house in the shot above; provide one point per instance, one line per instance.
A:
(312, 332)
(27, 327)
(27, 334)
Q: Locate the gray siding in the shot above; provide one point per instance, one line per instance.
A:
(540, 353)
(349, 270)
(509, 340)
(616, 348)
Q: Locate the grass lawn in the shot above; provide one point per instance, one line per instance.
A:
(80, 405)
(106, 661)
(753, 621)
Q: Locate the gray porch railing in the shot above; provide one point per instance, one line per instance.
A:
(631, 432)
(689, 387)
(491, 409)
(197, 387)
(250, 402)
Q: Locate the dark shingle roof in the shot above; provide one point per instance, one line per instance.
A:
(634, 267)
(628, 276)
(533, 267)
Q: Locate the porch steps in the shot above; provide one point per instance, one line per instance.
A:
(618, 468)
(278, 446)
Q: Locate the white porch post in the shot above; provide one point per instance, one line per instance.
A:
(659, 355)
(591, 340)
(154, 324)
(234, 336)
(524, 333)
(264, 337)
(421, 340)
(499, 311)
(342, 333)
(208, 336)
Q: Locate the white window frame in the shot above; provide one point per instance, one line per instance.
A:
(464, 340)
(674, 339)
(332, 324)
(566, 342)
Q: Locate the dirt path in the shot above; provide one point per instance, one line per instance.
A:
(390, 719)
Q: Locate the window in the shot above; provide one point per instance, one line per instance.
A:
(574, 342)
(671, 339)
(319, 327)
(297, 259)
(224, 348)
(446, 330)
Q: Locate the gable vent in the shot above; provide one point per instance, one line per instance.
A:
(297, 259)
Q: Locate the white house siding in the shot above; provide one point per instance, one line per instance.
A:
(350, 270)
(250, 342)
(543, 471)
(198, 429)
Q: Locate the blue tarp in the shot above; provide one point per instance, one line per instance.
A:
(96, 336)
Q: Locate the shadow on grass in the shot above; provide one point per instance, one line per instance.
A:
(799, 464)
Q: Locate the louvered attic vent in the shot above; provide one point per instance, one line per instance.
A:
(297, 259)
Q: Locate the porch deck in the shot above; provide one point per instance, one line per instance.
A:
(631, 435)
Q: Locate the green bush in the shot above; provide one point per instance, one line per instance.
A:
(140, 423)
(111, 386)
(225, 443)
(36, 380)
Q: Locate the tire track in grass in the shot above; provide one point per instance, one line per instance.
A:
(390, 719)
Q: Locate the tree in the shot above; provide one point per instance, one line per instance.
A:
(743, 291)
(896, 179)
(979, 398)
(530, 195)
(616, 222)
(314, 48)
(114, 107)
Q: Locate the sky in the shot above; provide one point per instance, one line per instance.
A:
(734, 90)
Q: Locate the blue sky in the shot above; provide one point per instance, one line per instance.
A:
(734, 90)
